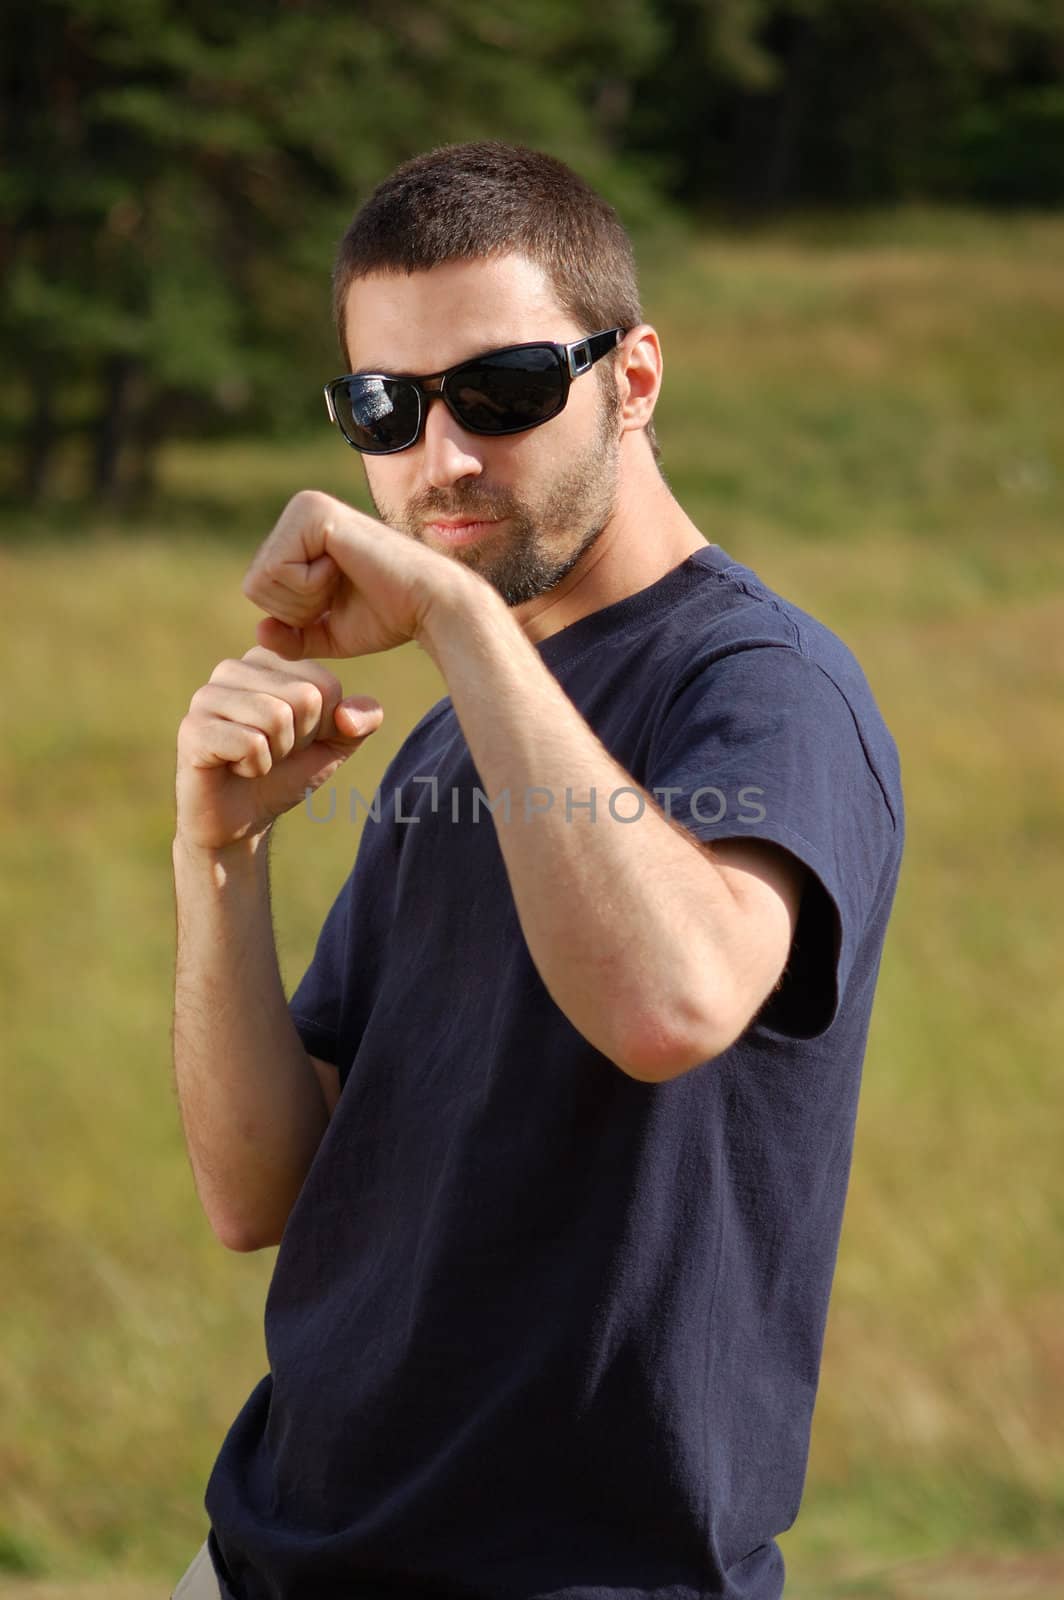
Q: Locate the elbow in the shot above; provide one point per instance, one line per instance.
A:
(243, 1244)
(662, 1065)
(240, 1236)
(660, 1048)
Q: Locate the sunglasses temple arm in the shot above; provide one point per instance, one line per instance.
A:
(600, 343)
(605, 341)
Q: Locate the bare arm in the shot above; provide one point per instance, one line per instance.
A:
(254, 1105)
(658, 951)
(251, 1104)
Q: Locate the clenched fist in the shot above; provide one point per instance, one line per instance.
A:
(257, 736)
(336, 583)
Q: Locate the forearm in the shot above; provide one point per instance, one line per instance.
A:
(626, 920)
(251, 1105)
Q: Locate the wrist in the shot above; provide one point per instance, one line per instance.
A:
(456, 605)
(247, 852)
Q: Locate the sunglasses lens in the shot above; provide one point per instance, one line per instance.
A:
(509, 391)
(376, 414)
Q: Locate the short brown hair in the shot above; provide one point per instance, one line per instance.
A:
(467, 202)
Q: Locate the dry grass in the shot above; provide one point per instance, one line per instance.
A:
(878, 432)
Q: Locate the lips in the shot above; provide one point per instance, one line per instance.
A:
(460, 530)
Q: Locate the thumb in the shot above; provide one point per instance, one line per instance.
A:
(358, 716)
(354, 719)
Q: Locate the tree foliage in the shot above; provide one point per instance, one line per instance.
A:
(855, 101)
(175, 176)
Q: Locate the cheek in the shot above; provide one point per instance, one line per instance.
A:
(385, 487)
(521, 466)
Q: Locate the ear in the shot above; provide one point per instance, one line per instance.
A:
(638, 369)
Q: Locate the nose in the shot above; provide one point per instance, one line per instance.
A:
(450, 452)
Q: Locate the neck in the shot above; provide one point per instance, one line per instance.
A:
(647, 536)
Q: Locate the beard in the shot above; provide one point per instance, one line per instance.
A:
(545, 538)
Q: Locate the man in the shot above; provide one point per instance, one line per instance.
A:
(555, 1132)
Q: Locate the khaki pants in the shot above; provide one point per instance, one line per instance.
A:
(199, 1582)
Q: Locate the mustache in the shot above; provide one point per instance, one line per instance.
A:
(476, 507)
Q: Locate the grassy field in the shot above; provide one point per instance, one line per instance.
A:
(870, 416)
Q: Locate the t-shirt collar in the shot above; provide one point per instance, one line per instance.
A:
(598, 625)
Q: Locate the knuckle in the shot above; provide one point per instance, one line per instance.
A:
(258, 655)
(326, 682)
(277, 717)
(308, 503)
(224, 669)
(308, 700)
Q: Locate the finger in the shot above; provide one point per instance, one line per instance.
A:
(293, 590)
(292, 575)
(260, 656)
(261, 666)
(206, 741)
(311, 689)
(295, 644)
(280, 639)
(358, 717)
(293, 712)
(282, 718)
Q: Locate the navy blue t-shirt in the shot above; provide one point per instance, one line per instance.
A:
(537, 1328)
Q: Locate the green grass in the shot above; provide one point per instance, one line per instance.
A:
(870, 416)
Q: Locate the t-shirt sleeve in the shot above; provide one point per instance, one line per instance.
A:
(316, 1005)
(333, 1000)
(761, 743)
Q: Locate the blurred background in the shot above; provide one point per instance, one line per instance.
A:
(848, 219)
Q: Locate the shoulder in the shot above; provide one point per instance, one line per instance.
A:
(753, 656)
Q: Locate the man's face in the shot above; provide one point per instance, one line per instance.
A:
(543, 496)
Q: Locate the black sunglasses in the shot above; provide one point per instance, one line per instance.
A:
(505, 391)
